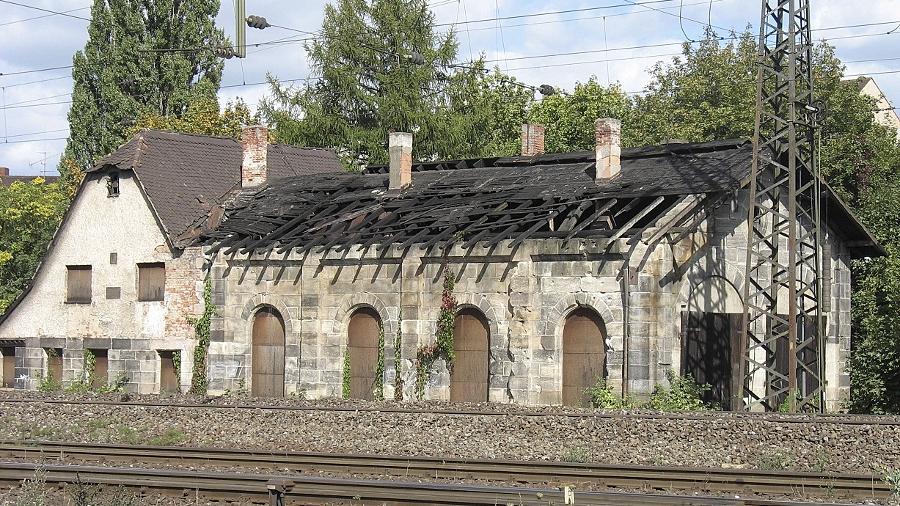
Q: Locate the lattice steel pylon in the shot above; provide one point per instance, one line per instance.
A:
(782, 346)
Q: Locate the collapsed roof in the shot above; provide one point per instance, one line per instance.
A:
(494, 199)
(184, 175)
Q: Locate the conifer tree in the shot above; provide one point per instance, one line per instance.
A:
(128, 68)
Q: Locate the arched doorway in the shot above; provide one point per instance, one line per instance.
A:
(362, 345)
(470, 376)
(267, 354)
(584, 355)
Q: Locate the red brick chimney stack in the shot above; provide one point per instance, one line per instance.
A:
(400, 151)
(4, 171)
(609, 148)
(532, 139)
(255, 144)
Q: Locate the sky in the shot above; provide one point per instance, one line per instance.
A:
(33, 125)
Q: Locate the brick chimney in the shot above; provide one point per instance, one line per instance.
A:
(255, 143)
(532, 139)
(400, 151)
(608, 133)
(4, 171)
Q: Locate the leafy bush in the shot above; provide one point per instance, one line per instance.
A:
(892, 478)
(603, 397)
(683, 394)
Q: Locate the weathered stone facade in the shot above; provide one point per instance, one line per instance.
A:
(112, 235)
(525, 294)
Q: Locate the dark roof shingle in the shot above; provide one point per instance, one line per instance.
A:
(184, 174)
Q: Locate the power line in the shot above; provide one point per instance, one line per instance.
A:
(36, 133)
(565, 11)
(42, 16)
(36, 99)
(35, 105)
(19, 72)
(34, 140)
(67, 76)
(57, 13)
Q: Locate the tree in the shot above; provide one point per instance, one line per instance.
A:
(202, 117)
(569, 118)
(29, 215)
(367, 82)
(128, 68)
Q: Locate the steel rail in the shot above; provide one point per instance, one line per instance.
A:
(818, 418)
(297, 489)
(521, 472)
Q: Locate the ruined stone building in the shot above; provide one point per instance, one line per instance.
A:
(121, 275)
(568, 267)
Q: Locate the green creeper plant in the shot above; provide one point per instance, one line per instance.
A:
(345, 383)
(379, 366)
(443, 345)
(199, 379)
(398, 342)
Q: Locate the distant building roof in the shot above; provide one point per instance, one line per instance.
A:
(183, 175)
(493, 199)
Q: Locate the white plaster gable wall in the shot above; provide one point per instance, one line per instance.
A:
(97, 226)
(884, 114)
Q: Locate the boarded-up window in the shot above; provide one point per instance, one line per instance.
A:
(9, 367)
(151, 281)
(78, 284)
(54, 364)
(100, 377)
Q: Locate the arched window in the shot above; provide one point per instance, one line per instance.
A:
(362, 345)
(470, 377)
(584, 355)
(267, 354)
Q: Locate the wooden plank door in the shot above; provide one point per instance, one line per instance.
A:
(470, 377)
(55, 364)
(362, 345)
(267, 354)
(9, 367)
(169, 382)
(100, 377)
(584, 355)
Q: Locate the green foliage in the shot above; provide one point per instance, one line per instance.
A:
(29, 215)
(892, 478)
(379, 366)
(603, 397)
(570, 118)
(49, 384)
(577, 454)
(775, 461)
(176, 363)
(345, 379)
(202, 117)
(368, 86)
(683, 394)
(443, 345)
(122, 72)
(199, 379)
(90, 365)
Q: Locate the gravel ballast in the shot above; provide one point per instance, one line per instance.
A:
(802, 442)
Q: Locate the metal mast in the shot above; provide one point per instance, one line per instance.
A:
(782, 342)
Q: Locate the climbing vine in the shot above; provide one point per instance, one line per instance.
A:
(379, 366)
(443, 344)
(398, 379)
(199, 379)
(90, 365)
(345, 384)
(176, 363)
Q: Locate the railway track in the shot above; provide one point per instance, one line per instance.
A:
(532, 473)
(841, 419)
(278, 490)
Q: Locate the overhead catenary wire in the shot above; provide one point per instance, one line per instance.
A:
(67, 14)
(23, 20)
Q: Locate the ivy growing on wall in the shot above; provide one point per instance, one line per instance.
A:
(176, 364)
(199, 379)
(90, 365)
(443, 344)
(345, 384)
(379, 366)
